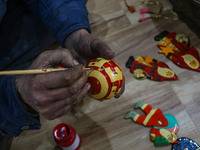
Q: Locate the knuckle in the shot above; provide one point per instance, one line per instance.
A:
(64, 52)
(44, 55)
(67, 77)
(73, 90)
(37, 102)
(68, 101)
(35, 83)
(96, 42)
(40, 100)
(74, 98)
(54, 96)
(46, 113)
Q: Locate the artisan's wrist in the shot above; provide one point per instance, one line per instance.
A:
(74, 37)
(28, 108)
(14, 117)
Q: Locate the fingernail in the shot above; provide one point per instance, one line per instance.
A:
(88, 86)
(75, 62)
(110, 52)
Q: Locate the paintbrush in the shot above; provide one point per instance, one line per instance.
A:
(35, 71)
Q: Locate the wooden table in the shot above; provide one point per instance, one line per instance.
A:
(101, 125)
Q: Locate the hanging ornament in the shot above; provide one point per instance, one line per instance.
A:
(164, 126)
(159, 14)
(177, 48)
(145, 67)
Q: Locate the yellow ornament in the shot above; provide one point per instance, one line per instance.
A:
(106, 78)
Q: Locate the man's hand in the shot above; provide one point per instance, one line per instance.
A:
(53, 94)
(85, 47)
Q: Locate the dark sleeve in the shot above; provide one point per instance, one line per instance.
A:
(2, 8)
(62, 17)
(13, 117)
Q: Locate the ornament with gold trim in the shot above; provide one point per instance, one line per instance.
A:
(105, 77)
(145, 67)
(177, 48)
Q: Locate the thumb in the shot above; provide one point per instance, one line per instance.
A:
(100, 49)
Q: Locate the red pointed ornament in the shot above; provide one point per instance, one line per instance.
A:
(177, 48)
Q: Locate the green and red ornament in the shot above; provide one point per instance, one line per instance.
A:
(164, 126)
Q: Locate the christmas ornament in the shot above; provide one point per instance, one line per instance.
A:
(177, 48)
(145, 67)
(159, 14)
(106, 78)
(164, 126)
(185, 144)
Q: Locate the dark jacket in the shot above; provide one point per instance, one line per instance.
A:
(24, 33)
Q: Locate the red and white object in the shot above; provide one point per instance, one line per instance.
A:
(66, 137)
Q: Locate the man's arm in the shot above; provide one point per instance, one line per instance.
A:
(2, 8)
(62, 17)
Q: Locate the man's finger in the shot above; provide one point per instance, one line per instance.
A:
(101, 49)
(64, 92)
(83, 92)
(60, 79)
(52, 111)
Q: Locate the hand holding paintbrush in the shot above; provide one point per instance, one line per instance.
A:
(52, 91)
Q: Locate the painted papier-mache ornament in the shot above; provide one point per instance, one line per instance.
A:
(145, 67)
(106, 78)
(185, 144)
(177, 48)
(164, 126)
